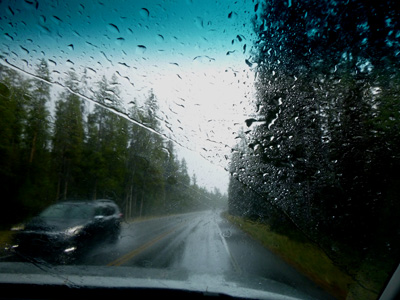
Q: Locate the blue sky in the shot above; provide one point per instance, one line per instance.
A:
(190, 52)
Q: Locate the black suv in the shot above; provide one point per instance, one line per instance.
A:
(66, 228)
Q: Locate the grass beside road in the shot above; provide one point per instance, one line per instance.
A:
(5, 240)
(310, 260)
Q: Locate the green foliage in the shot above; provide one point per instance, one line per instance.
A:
(325, 158)
(86, 152)
(68, 141)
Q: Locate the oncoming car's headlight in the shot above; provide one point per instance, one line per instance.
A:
(74, 230)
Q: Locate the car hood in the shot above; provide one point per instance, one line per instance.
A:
(53, 225)
(132, 279)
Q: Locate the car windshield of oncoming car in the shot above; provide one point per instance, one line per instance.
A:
(104, 211)
(253, 141)
(68, 211)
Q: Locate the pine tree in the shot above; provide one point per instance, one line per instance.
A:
(13, 88)
(37, 190)
(68, 139)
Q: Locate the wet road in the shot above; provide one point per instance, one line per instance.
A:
(201, 242)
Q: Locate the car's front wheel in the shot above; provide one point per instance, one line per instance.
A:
(115, 233)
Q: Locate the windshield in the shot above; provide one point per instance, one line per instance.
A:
(248, 142)
(68, 211)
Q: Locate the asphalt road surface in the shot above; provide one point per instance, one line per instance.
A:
(201, 242)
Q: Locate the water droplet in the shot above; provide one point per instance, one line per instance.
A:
(26, 50)
(44, 29)
(56, 20)
(43, 19)
(160, 38)
(375, 90)
(120, 41)
(232, 15)
(10, 10)
(9, 37)
(141, 49)
(144, 12)
(248, 63)
(53, 62)
(113, 28)
(70, 62)
(199, 22)
(76, 33)
(250, 121)
(203, 59)
(108, 101)
(227, 233)
(124, 64)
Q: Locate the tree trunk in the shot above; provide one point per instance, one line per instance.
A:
(33, 149)
(141, 205)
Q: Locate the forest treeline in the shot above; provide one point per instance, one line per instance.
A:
(322, 152)
(58, 149)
